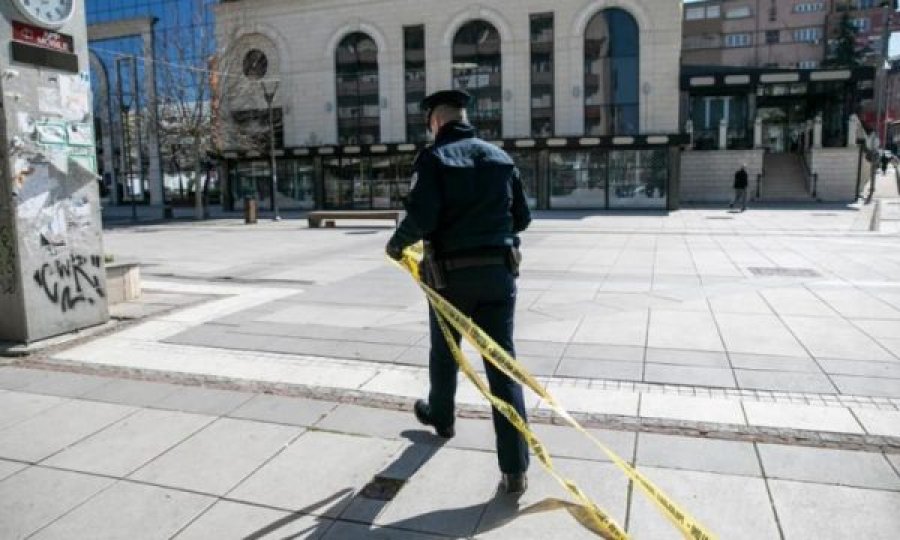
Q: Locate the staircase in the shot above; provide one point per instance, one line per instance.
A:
(785, 179)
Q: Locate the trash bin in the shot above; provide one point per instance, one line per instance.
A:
(250, 210)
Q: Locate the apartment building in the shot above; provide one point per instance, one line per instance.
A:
(756, 33)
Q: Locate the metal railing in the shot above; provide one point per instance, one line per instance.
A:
(759, 179)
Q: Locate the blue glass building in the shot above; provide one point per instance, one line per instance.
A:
(171, 42)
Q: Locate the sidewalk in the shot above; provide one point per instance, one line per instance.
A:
(92, 457)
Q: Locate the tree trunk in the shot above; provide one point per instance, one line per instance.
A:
(199, 214)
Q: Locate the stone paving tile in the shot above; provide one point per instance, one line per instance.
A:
(566, 442)
(549, 349)
(33, 498)
(600, 369)
(604, 352)
(867, 386)
(54, 429)
(861, 368)
(795, 301)
(65, 384)
(343, 530)
(128, 392)
(16, 407)
(414, 356)
(328, 468)
(372, 422)
(538, 365)
(828, 466)
(895, 460)
(696, 409)
(683, 330)
(856, 304)
(624, 328)
(198, 400)
(506, 517)
(9, 468)
(758, 334)
(233, 520)
(217, 458)
(695, 454)
(552, 331)
(12, 378)
(836, 338)
(283, 410)
(431, 503)
(831, 419)
(878, 328)
(595, 400)
(884, 423)
(688, 357)
(689, 375)
(129, 510)
(774, 362)
(129, 444)
(739, 302)
(813, 383)
(835, 512)
(733, 507)
(473, 434)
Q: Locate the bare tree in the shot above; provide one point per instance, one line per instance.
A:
(196, 83)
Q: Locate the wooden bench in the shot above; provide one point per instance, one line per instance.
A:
(317, 217)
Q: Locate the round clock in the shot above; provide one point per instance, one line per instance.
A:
(46, 13)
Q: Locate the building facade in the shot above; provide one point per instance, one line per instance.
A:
(583, 94)
(756, 33)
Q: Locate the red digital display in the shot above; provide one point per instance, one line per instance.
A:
(43, 38)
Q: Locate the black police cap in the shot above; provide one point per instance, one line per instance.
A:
(453, 98)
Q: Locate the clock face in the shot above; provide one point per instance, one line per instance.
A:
(52, 13)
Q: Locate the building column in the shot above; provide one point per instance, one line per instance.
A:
(155, 169)
(723, 134)
(757, 133)
(817, 132)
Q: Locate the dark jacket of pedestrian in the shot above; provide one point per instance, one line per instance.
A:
(740, 179)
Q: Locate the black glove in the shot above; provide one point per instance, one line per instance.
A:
(394, 251)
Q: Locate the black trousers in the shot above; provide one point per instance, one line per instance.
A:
(487, 294)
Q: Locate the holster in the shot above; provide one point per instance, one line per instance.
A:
(431, 270)
(514, 260)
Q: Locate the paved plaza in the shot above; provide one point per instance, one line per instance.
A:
(748, 363)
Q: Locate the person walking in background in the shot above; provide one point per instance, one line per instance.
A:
(741, 181)
(468, 204)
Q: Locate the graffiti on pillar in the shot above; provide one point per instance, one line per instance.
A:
(70, 281)
(7, 259)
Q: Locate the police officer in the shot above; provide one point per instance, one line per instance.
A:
(467, 203)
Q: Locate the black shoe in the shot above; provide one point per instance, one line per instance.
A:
(423, 415)
(514, 484)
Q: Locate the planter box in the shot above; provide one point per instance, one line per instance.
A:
(123, 282)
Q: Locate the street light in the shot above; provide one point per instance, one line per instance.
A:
(269, 94)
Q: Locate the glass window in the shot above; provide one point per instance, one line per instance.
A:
(542, 75)
(611, 74)
(348, 183)
(773, 36)
(578, 179)
(638, 178)
(737, 40)
(807, 34)
(738, 12)
(296, 183)
(694, 13)
(414, 76)
(713, 12)
(477, 63)
(526, 162)
(358, 107)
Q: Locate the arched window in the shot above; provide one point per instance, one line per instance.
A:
(611, 74)
(356, 71)
(477, 62)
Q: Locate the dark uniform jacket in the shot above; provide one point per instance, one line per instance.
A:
(467, 194)
(740, 179)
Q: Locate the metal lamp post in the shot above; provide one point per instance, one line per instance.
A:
(269, 94)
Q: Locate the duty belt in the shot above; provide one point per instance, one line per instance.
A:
(458, 263)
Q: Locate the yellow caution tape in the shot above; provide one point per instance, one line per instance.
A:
(588, 514)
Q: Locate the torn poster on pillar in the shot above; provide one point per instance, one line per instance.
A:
(80, 134)
(75, 97)
(49, 100)
(35, 191)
